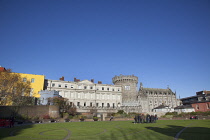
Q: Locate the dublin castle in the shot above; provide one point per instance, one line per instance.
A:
(122, 95)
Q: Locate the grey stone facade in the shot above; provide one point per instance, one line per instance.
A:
(144, 99)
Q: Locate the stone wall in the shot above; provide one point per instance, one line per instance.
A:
(29, 111)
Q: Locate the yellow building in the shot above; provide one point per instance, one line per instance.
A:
(37, 83)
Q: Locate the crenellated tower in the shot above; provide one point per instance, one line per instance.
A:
(129, 86)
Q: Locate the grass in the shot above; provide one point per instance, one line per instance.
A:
(115, 130)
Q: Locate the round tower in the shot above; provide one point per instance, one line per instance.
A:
(129, 86)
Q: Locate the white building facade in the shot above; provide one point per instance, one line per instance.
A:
(87, 94)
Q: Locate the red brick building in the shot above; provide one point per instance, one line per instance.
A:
(200, 102)
(205, 106)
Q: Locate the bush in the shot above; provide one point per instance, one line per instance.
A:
(171, 113)
(46, 117)
(120, 112)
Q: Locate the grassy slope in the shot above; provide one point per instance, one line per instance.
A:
(115, 130)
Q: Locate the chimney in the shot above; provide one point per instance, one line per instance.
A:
(2, 69)
(99, 82)
(76, 80)
(62, 78)
(92, 80)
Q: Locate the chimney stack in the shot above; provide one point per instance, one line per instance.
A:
(76, 80)
(92, 80)
(62, 78)
(99, 82)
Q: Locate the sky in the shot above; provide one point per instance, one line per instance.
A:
(162, 42)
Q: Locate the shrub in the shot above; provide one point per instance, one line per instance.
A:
(171, 113)
(46, 117)
(120, 112)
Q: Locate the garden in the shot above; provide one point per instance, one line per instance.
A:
(111, 130)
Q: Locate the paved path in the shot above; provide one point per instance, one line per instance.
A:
(179, 133)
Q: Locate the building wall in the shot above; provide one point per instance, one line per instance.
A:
(129, 86)
(155, 97)
(185, 110)
(29, 111)
(201, 106)
(45, 94)
(86, 93)
(36, 85)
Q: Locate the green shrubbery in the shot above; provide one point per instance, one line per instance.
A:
(175, 114)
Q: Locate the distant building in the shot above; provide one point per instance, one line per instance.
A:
(184, 109)
(45, 95)
(163, 108)
(200, 102)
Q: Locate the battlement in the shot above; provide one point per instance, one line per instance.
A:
(125, 78)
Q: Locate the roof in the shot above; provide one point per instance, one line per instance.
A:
(161, 107)
(156, 89)
(183, 107)
(2, 69)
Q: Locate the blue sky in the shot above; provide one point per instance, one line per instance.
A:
(163, 42)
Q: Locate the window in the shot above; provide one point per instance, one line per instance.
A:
(197, 107)
(78, 103)
(31, 92)
(53, 84)
(208, 105)
(72, 86)
(84, 103)
(108, 97)
(59, 85)
(72, 95)
(91, 104)
(102, 88)
(108, 89)
(113, 89)
(32, 80)
(108, 105)
(113, 105)
(24, 79)
(102, 104)
(127, 87)
(118, 89)
(91, 87)
(97, 104)
(85, 87)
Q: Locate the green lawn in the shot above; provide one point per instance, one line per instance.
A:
(115, 130)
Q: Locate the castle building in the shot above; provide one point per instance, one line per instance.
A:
(123, 95)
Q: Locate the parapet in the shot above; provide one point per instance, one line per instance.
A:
(125, 78)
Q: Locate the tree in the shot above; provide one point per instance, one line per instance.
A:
(13, 90)
(61, 102)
